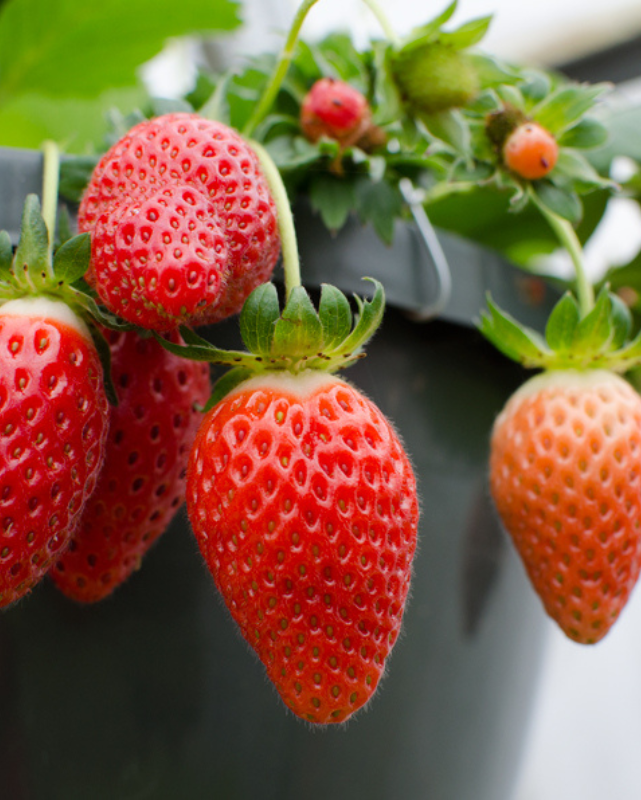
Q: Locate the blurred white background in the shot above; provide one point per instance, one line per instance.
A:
(585, 737)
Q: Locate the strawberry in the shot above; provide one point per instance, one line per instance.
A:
(433, 76)
(530, 151)
(304, 506)
(336, 110)
(303, 501)
(565, 472)
(141, 484)
(53, 419)
(209, 247)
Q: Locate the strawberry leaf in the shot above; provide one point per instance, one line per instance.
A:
(335, 315)
(562, 324)
(71, 260)
(258, 318)
(298, 332)
(333, 198)
(468, 34)
(586, 134)
(380, 204)
(560, 201)
(514, 340)
(566, 105)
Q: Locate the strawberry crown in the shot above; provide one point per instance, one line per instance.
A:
(295, 339)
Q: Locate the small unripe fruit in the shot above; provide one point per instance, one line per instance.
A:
(530, 151)
(336, 110)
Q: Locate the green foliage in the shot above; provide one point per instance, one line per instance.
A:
(63, 66)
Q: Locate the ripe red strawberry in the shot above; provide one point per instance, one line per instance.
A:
(230, 196)
(142, 482)
(53, 424)
(530, 151)
(304, 506)
(334, 109)
(565, 474)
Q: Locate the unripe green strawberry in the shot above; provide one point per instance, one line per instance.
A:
(304, 506)
(433, 77)
(565, 473)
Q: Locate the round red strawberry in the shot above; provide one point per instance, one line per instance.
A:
(181, 151)
(53, 424)
(334, 109)
(304, 506)
(565, 474)
(142, 481)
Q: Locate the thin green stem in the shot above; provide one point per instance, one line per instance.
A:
(383, 20)
(50, 181)
(570, 241)
(276, 79)
(288, 242)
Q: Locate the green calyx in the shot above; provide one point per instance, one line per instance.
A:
(295, 339)
(596, 340)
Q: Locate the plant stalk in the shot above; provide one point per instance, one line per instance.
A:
(50, 182)
(570, 241)
(288, 241)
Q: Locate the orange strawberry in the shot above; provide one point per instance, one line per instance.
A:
(565, 473)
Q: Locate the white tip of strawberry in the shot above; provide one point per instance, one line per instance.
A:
(46, 308)
(301, 384)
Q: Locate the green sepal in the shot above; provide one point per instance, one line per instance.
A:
(258, 318)
(335, 316)
(594, 332)
(31, 260)
(71, 260)
(224, 385)
(198, 349)
(562, 324)
(514, 340)
(566, 105)
(6, 255)
(298, 332)
(621, 321)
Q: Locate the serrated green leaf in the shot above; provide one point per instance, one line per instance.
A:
(428, 31)
(468, 34)
(595, 331)
(564, 107)
(75, 172)
(491, 71)
(6, 254)
(333, 198)
(560, 201)
(71, 260)
(536, 85)
(562, 324)
(585, 135)
(298, 332)
(335, 315)
(258, 319)
(514, 340)
(33, 247)
(217, 106)
(573, 165)
(379, 204)
(224, 385)
(449, 127)
(78, 49)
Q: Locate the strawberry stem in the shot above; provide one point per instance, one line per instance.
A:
(383, 21)
(286, 227)
(50, 181)
(570, 241)
(282, 65)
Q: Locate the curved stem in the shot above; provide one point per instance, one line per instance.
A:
(288, 241)
(570, 241)
(50, 181)
(390, 34)
(287, 53)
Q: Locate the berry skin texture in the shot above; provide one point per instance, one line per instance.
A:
(565, 474)
(530, 151)
(304, 506)
(336, 110)
(216, 224)
(53, 424)
(142, 482)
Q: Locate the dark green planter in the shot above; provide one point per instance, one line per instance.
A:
(153, 694)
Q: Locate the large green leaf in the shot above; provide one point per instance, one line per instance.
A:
(75, 48)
